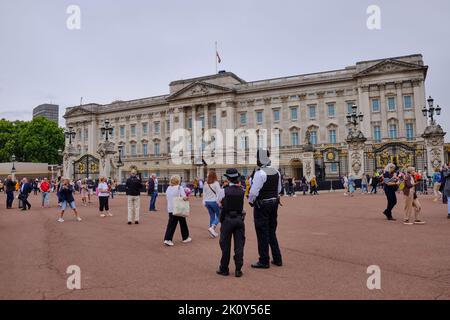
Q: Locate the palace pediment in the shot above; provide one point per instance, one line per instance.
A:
(78, 111)
(390, 66)
(199, 89)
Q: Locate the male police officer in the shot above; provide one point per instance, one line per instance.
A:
(232, 223)
(264, 198)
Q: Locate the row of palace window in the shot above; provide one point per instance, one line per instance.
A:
(331, 110)
(295, 140)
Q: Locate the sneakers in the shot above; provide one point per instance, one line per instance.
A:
(60, 220)
(79, 219)
(407, 223)
(189, 239)
(109, 214)
(168, 243)
(419, 222)
(103, 215)
(212, 232)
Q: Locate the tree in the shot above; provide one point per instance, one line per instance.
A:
(31, 141)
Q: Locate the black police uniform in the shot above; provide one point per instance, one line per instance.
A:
(266, 215)
(232, 224)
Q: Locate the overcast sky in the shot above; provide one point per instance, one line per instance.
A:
(133, 49)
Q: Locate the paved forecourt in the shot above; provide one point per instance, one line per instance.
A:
(328, 242)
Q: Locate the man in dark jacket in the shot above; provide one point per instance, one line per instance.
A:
(10, 187)
(25, 190)
(133, 188)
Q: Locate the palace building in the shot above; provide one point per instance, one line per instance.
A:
(306, 117)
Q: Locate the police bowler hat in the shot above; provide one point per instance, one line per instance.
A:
(232, 173)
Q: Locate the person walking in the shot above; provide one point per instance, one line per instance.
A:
(25, 190)
(313, 183)
(232, 223)
(35, 186)
(195, 186)
(374, 183)
(84, 192)
(411, 199)
(351, 185)
(436, 180)
(173, 191)
(45, 189)
(103, 198)
(152, 190)
(66, 196)
(391, 183)
(345, 183)
(133, 188)
(446, 182)
(304, 185)
(364, 183)
(264, 198)
(211, 202)
(200, 187)
(10, 187)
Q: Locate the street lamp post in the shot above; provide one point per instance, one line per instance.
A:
(107, 130)
(120, 164)
(70, 134)
(431, 110)
(13, 169)
(354, 118)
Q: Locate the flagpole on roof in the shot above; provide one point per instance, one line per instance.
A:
(215, 57)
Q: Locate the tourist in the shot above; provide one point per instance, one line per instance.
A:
(411, 200)
(211, 202)
(351, 185)
(90, 185)
(45, 188)
(84, 192)
(35, 186)
(247, 186)
(391, 183)
(364, 183)
(374, 181)
(313, 184)
(103, 198)
(436, 180)
(152, 190)
(25, 190)
(10, 187)
(113, 187)
(195, 186)
(304, 185)
(200, 187)
(66, 197)
(133, 188)
(345, 183)
(290, 186)
(446, 183)
(58, 187)
(173, 191)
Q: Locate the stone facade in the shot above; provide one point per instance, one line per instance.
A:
(389, 92)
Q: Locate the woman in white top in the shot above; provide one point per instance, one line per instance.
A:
(173, 191)
(103, 197)
(211, 193)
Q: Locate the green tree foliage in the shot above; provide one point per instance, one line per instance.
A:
(31, 141)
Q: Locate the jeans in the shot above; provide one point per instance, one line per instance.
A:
(391, 201)
(9, 198)
(45, 198)
(213, 210)
(153, 201)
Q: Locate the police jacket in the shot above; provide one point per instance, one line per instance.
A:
(232, 202)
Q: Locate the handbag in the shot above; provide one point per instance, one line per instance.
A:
(180, 207)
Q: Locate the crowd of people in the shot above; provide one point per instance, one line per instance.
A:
(224, 201)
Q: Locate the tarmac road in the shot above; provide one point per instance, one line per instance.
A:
(327, 241)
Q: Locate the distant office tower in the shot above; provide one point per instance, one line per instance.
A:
(49, 111)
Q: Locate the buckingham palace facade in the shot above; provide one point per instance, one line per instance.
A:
(306, 117)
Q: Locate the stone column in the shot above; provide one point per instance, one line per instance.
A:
(308, 164)
(106, 152)
(92, 136)
(364, 107)
(69, 155)
(229, 131)
(434, 144)
(400, 116)
(383, 111)
(419, 103)
(355, 140)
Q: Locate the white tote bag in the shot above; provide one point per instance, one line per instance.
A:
(180, 207)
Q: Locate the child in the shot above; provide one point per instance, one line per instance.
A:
(232, 223)
(66, 197)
